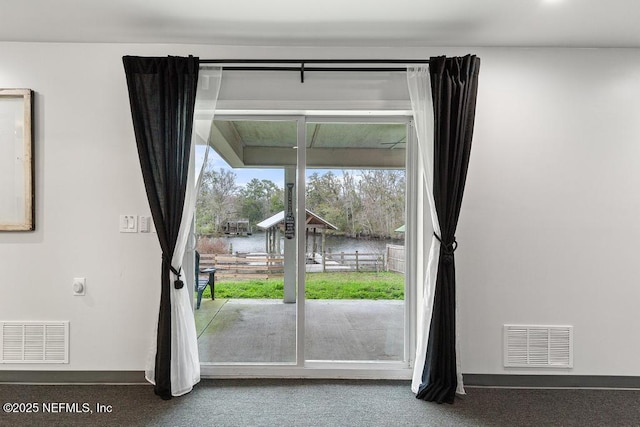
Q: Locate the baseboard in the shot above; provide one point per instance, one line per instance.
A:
(72, 377)
(470, 380)
(551, 381)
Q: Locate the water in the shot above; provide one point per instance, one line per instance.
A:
(334, 244)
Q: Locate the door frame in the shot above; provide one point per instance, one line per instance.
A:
(303, 368)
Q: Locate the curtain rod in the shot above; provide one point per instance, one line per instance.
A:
(254, 64)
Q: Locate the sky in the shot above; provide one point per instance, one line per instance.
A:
(244, 175)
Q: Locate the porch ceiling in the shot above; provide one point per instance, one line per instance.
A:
(270, 143)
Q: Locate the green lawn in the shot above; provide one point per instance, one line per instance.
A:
(349, 285)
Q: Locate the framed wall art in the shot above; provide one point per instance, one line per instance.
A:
(16, 160)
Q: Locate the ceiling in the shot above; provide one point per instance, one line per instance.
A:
(270, 143)
(544, 23)
(273, 133)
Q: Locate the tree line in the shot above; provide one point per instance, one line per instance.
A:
(364, 203)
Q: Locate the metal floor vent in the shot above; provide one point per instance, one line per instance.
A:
(535, 346)
(34, 342)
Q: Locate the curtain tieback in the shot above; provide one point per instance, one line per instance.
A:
(178, 284)
(447, 248)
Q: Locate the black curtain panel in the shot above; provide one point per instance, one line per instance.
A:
(162, 93)
(454, 86)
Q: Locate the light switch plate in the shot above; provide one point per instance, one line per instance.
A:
(144, 223)
(128, 224)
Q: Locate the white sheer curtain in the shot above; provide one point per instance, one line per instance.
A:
(419, 84)
(185, 362)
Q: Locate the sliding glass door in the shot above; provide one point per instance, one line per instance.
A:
(252, 318)
(303, 220)
(355, 201)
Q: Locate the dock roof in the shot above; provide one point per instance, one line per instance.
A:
(312, 221)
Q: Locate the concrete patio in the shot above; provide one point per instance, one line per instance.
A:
(263, 330)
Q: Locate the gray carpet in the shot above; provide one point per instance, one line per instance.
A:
(321, 403)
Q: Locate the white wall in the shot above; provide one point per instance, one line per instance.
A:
(549, 228)
(547, 233)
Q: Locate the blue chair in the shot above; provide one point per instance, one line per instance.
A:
(201, 283)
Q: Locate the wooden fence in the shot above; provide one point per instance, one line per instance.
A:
(395, 258)
(244, 266)
(266, 266)
(355, 261)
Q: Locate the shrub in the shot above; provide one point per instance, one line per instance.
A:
(212, 245)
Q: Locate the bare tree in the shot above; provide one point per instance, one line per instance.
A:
(382, 198)
(369, 202)
(217, 201)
